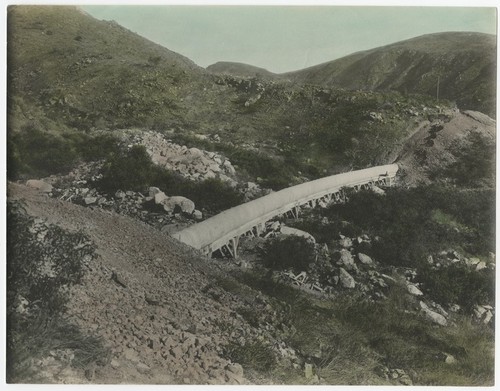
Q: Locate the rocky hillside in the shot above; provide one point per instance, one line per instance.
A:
(462, 64)
(155, 303)
(146, 309)
(69, 73)
(91, 72)
(435, 147)
(240, 70)
(115, 142)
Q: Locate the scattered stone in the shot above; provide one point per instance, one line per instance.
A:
(481, 265)
(297, 232)
(471, 262)
(308, 371)
(345, 242)
(131, 355)
(454, 308)
(142, 368)
(90, 200)
(346, 280)
(365, 259)
(449, 359)
(151, 300)
(170, 204)
(413, 290)
(120, 194)
(118, 279)
(114, 364)
(484, 313)
(160, 197)
(433, 316)
(197, 215)
(346, 259)
(487, 317)
(377, 190)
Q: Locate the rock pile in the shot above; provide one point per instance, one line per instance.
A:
(191, 163)
(156, 209)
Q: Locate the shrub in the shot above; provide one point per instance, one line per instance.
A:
(405, 220)
(130, 170)
(474, 163)
(34, 152)
(458, 284)
(37, 153)
(292, 252)
(43, 261)
(255, 355)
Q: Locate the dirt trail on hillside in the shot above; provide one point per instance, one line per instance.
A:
(145, 295)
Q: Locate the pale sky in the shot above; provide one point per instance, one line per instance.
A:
(285, 38)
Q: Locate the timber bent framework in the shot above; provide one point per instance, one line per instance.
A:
(223, 231)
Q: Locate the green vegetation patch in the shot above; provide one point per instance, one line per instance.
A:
(35, 152)
(43, 262)
(348, 340)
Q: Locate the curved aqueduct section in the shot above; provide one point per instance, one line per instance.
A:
(225, 229)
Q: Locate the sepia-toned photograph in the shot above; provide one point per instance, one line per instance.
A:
(250, 194)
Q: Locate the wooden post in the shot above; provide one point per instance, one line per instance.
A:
(234, 245)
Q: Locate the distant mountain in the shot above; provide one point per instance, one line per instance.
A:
(240, 70)
(459, 66)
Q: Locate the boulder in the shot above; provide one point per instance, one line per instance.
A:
(481, 265)
(345, 242)
(120, 194)
(229, 167)
(346, 280)
(44, 187)
(413, 290)
(449, 359)
(297, 232)
(487, 317)
(160, 197)
(90, 200)
(197, 215)
(365, 259)
(346, 259)
(170, 204)
(378, 190)
(433, 316)
(153, 191)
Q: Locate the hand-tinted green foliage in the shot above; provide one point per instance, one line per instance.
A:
(38, 153)
(42, 260)
(403, 219)
(356, 337)
(130, 170)
(292, 252)
(212, 194)
(254, 355)
(409, 230)
(275, 173)
(475, 164)
(458, 284)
